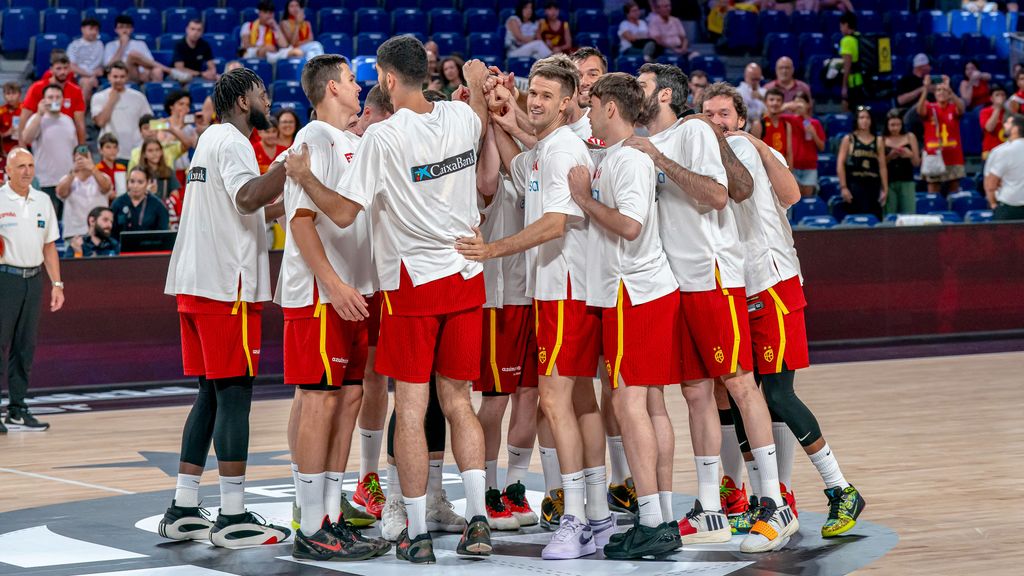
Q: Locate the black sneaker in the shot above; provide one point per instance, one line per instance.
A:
(180, 523)
(344, 532)
(418, 551)
(24, 419)
(327, 545)
(476, 538)
(642, 541)
(245, 529)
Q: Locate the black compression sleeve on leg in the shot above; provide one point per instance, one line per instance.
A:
(782, 400)
(198, 432)
(231, 430)
(725, 417)
(391, 434)
(741, 433)
(434, 423)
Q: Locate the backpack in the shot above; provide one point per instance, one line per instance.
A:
(874, 55)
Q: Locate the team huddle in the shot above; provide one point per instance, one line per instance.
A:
(527, 243)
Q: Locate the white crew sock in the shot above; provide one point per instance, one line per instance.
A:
(416, 512)
(491, 470)
(332, 495)
(394, 482)
(311, 500)
(295, 479)
(665, 499)
(826, 464)
(474, 484)
(552, 475)
(186, 492)
(785, 443)
(434, 476)
(232, 489)
(574, 488)
(597, 493)
(650, 510)
(755, 479)
(732, 458)
(617, 457)
(518, 464)
(369, 451)
(707, 482)
(766, 466)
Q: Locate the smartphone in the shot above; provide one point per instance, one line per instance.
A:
(937, 79)
(55, 106)
(190, 118)
(159, 125)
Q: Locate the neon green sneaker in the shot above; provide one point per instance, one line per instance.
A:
(743, 522)
(844, 506)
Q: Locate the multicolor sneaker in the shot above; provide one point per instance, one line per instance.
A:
(369, 495)
(498, 516)
(790, 497)
(642, 541)
(476, 538)
(326, 545)
(603, 530)
(343, 532)
(704, 527)
(741, 524)
(573, 539)
(419, 550)
(354, 516)
(772, 528)
(622, 497)
(181, 523)
(844, 506)
(515, 500)
(734, 500)
(551, 510)
(441, 516)
(244, 530)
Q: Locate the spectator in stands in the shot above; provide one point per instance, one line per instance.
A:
(73, 104)
(207, 115)
(785, 81)
(263, 37)
(753, 93)
(297, 30)
(86, 55)
(1017, 100)
(288, 124)
(97, 241)
(697, 84)
(667, 30)
(82, 189)
(117, 109)
(863, 175)
(110, 164)
(135, 53)
(992, 118)
(10, 118)
(910, 86)
(634, 35)
(193, 54)
(180, 126)
(138, 210)
(902, 155)
(1004, 173)
(451, 75)
(162, 181)
(807, 142)
(53, 139)
(974, 88)
(433, 57)
(978, 6)
(521, 33)
(849, 50)
(264, 144)
(942, 134)
(555, 33)
(774, 128)
(376, 108)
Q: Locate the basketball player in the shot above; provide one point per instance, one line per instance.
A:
(629, 279)
(568, 331)
(433, 296)
(703, 250)
(219, 274)
(776, 305)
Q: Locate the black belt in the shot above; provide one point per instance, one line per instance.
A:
(22, 272)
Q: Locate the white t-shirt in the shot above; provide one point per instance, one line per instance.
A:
(543, 173)
(755, 106)
(86, 55)
(696, 237)
(1004, 161)
(638, 30)
(625, 181)
(124, 119)
(769, 256)
(26, 225)
(218, 249)
(54, 148)
(134, 46)
(423, 167)
(505, 277)
(85, 195)
(348, 249)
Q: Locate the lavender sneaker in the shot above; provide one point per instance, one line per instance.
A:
(603, 530)
(573, 539)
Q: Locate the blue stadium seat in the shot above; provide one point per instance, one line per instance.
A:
(156, 91)
(978, 216)
(599, 41)
(860, 220)
(37, 5)
(519, 65)
(907, 44)
(220, 20)
(408, 21)
(479, 19)
(629, 64)
(478, 4)
(968, 184)
(777, 45)
(167, 41)
(900, 22)
(812, 206)
(975, 45)
(933, 22)
(992, 64)
(249, 14)
(286, 91)
(262, 68)
(817, 222)
(199, 5)
(1012, 20)
(714, 67)
(145, 38)
(812, 75)
(804, 21)
(357, 4)
(870, 22)
(484, 43)
(964, 202)
(951, 64)
(826, 164)
(148, 21)
(1002, 45)
(314, 6)
(993, 24)
(838, 207)
(368, 42)
(835, 140)
(814, 44)
(224, 46)
(372, 20)
(45, 43)
(593, 20)
(828, 23)
(948, 217)
(447, 20)
(449, 42)
(176, 19)
(676, 60)
(300, 107)
(288, 69)
(364, 68)
(963, 22)
(335, 20)
(337, 43)
(773, 22)
(928, 202)
(944, 44)
(891, 218)
(19, 26)
(62, 21)
(76, 4)
(199, 90)
(741, 30)
(393, 5)
(828, 187)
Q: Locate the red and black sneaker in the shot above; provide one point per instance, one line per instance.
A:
(498, 516)
(369, 495)
(790, 497)
(327, 545)
(515, 500)
(419, 550)
(734, 500)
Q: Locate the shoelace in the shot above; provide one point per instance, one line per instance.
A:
(374, 490)
(837, 505)
(256, 518)
(564, 533)
(516, 498)
(763, 514)
(494, 501)
(444, 499)
(692, 514)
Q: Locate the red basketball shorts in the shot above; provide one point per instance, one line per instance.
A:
(375, 303)
(568, 336)
(219, 339)
(777, 327)
(641, 342)
(508, 358)
(715, 333)
(320, 346)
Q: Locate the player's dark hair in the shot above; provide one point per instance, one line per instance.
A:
(585, 52)
(405, 57)
(622, 89)
(173, 97)
(378, 101)
(671, 77)
(231, 86)
(318, 72)
(566, 79)
(434, 96)
(729, 91)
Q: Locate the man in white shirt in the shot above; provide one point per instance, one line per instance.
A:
(432, 295)
(83, 189)
(117, 109)
(53, 136)
(753, 93)
(86, 55)
(629, 279)
(703, 249)
(1004, 173)
(568, 331)
(219, 274)
(135, 53)
(776, 309)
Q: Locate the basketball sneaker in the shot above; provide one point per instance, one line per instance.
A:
(394, 519)
(441, 516)
(551, 510)
(515, 500)
(296, 516)
(603, 530)
(343, 532)
(741, 523)
(498, 516)
(369, 495)
(245, 529)
(790, 499)
(643, 541)
(419, 550)
(476, 538)
(573, 539)
(354, 516)
(24, 420)
(622, 497)
(181, 523)
(704, 527)
(844, 506)
(734, 500)
(772, 528)
(326, 545)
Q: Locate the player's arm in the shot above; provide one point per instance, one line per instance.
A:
(741, 183)
(783, 182)
(703, 189)
(260, 191)
(64, 185)
(349, 303)
(478, 78)
(510, 124)
(922, 101)
(992, 184)
(607, 217)
(339, 209)
(274, 211)
(487, 178)
(548, 227)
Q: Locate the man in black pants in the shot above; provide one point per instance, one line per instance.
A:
(28, 230)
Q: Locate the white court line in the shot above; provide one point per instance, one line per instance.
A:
(66, 481)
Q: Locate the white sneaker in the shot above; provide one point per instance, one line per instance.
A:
(181, 76)
(441, 516)
(393, 518)
(772, 528)
(704, 527)
(244, 530)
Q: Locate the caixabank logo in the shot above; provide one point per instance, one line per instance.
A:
(444, 167)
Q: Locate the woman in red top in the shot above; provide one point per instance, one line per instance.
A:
(807, 142)
(554, 32)
(264, 143)
(974, 88)
(288, 124)
(941, 121)
(992, 118)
